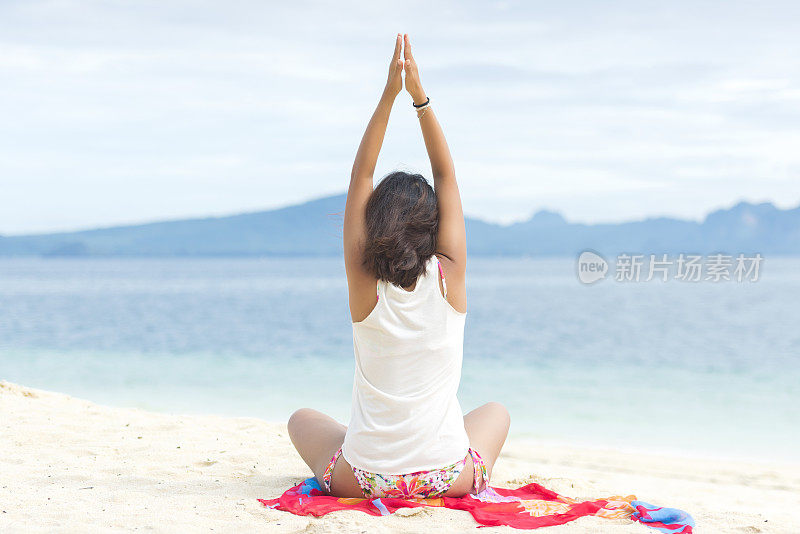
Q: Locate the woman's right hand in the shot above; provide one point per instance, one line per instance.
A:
(394, 84)
(413, 83)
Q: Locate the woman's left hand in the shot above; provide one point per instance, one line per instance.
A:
(413, 83)
(395, 82)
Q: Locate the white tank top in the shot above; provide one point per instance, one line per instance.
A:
(405, 416)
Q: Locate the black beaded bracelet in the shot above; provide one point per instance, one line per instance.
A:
(427, 101)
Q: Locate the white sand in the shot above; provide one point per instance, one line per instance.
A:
(68, 465)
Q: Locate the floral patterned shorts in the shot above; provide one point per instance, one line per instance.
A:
(417, 485)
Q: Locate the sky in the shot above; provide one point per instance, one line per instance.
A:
(118, 112)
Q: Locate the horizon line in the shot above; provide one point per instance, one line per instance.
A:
(344, 193)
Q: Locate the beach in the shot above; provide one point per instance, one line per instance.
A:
(70, 465)
(611, 189)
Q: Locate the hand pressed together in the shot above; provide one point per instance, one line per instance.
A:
(407, 64)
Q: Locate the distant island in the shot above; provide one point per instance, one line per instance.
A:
(314, 228)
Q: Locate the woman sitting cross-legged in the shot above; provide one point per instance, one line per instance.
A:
(405, 256)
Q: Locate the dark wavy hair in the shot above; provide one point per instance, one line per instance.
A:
(402, 220)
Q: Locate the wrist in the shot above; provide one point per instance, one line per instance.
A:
(419, 97)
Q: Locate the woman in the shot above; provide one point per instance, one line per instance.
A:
(405, 257)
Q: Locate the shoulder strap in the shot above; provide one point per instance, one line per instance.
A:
(441, 273)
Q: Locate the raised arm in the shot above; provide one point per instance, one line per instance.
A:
(361, 284)
(451, 241)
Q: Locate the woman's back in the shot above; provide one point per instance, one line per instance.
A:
(407, 436)
(405, 415)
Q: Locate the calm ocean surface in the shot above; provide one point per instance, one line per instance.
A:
(702, 368)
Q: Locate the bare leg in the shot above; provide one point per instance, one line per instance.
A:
(487, 428)
(317, 437)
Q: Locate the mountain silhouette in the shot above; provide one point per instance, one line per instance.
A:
(314, 228)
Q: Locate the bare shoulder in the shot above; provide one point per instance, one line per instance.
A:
(450, 266)
(362, 293)
(455, 275)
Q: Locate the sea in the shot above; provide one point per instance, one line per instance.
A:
(701, 368)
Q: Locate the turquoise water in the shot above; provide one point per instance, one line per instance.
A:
(702, 368)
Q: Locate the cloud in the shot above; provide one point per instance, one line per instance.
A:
(120, 111)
